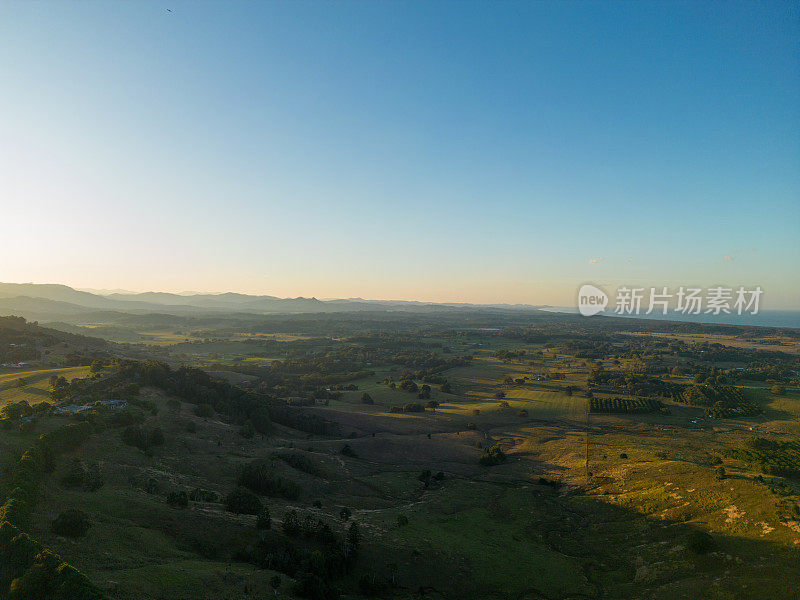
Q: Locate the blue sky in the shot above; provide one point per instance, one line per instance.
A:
(458, 151)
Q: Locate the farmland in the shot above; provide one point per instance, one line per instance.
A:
(500, 456)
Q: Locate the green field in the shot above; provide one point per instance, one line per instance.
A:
(36, 387)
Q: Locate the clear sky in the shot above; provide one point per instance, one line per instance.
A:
(455, 151)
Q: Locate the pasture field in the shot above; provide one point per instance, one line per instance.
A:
(582, 506)
(36, 386)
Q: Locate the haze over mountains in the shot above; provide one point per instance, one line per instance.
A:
(56, 301)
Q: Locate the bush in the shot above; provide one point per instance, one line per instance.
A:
(205, 411)
(88, 478)
(264, 520)
(178, 499)
(200, 495)
(493, 456)
(143, 438)
(259, 477)
(242, 501)
(291, 523)
(700, 542)
(70, 523)
(348, 451)
(248, 431)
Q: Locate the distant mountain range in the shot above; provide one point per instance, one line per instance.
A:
(60, 302)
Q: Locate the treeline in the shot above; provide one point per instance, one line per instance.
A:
(772, 457)
(27, 569)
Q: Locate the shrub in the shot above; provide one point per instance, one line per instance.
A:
(88, 478)
(264, 520)
(248, 431)
(205, 411)
(700, 542)
(493, 456)
(348, 451)
(200, 495)
(259, 477)
(242, 501)
(142, 438)
(70, 523)
(402, 520)
(291, 523)
(178, 499)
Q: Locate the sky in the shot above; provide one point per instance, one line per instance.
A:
(442, 151)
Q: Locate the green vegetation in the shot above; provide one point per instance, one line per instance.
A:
(364, 463)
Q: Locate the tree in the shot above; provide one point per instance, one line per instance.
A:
(179, 499)
(445, 388)
(778, 390)
(291, 523)
(499, 394)
(242, 501)
(366, 398)
(345, 514)
(425, 477)
(264, 520)
(719, 472)
(493, 456)
(248, 431)
(70, 523)
(348, 451)
(275, 582)
(352, 542)
(700, 542)
(96, 366)
(402, 520)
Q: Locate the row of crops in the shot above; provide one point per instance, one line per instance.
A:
(624, 405)
(722, 401)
